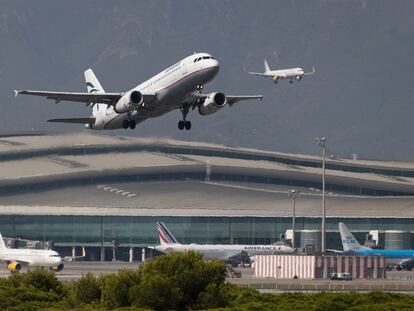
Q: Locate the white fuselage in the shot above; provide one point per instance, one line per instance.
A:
(172, 86)
(32, 257)
(224, 251)
(290, 73)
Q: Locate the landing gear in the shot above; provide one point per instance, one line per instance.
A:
(184, 123)
(125, 124)
(199, 88)
(129, 124)
(132, 124)
(290, 81)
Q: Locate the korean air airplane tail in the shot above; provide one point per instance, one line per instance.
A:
(2, 245)
(349, 243)
(165, 236)
(266, 67)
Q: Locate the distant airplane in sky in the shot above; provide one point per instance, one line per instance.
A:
(226, 252)
(399, 258)
(15, 257)
(290, 73)
(177, 87)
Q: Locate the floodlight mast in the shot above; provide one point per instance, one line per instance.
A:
(293, 194)
(322, 143)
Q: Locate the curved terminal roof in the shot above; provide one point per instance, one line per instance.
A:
(67, 173)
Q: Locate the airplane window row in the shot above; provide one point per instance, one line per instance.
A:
(204, 57)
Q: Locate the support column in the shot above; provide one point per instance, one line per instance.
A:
(131, 254)
(143, 254)
(73, 251)
(102, 253)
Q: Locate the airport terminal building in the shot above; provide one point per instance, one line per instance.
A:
(104, 191)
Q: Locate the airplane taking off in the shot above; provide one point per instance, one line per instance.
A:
(290, 73)
(402, 259)
(14, 258)
(177, 87)
(226, 252)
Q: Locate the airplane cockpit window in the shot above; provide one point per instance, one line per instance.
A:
(206, 57)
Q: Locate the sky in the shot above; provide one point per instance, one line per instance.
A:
(360, 98)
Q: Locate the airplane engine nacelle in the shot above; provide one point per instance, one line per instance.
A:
(58, 268)
(298, 78)
(14, 266)
(129, 101)
(211, 104)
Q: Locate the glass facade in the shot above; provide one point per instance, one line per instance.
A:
(97, 231)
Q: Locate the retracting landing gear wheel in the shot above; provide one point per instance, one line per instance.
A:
(125, 124)
(132, 124)
(181, 125)
(188, 125)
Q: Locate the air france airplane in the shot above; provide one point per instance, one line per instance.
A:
(14, 258)
(290, 73)
(177, 87)
(398, 258)
(226, 252)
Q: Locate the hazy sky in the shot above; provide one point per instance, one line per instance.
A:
(361, 96)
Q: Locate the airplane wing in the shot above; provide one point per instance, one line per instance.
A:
(82, 97)
(74, 120)
(230, 99)
(310, 73)
(259, 74)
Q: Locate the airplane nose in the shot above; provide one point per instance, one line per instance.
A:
(215, 67)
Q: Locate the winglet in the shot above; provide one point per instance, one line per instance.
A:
(310, 73)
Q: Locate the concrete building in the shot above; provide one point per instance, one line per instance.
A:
(98, 191)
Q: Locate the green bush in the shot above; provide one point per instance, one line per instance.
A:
(115, 287)
(86, 290)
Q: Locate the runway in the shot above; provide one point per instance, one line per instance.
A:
(75, 270)
(401, 281)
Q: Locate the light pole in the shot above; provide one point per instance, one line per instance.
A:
(322, 143)
(293, 195)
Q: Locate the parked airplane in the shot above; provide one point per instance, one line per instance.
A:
(14, 258)
(290, 73)
(226, 252)
(177, 87)
(401, 259)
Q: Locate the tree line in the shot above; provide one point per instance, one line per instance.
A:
(181, 281)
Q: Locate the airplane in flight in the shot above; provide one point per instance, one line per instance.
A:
(401, 259)
(225, 252)
(177, 87)
(290, 73)
(15, 258)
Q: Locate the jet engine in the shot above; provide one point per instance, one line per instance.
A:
(298, 78)
(129, 101)
(212, 103)
(58, 268)
(14, 266)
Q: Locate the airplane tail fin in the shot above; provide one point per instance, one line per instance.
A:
(93, 86)
(349, 242)
(2, 244)
(92, 82)
(266, 66)
(165, 236)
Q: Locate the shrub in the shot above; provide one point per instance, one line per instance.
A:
(87, 290)
(115, 287)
